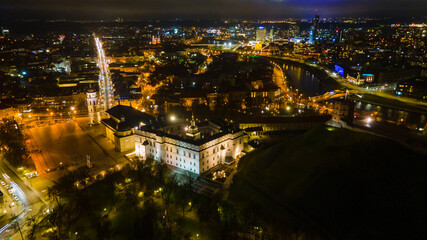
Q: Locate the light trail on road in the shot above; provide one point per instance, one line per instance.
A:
(27, 195)
(106, 93)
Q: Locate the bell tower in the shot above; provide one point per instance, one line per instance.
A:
(92, 107)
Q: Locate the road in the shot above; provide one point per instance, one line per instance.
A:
(29, 198)
(410, 138)
(416, 142)
(52, 144)
(106, 94)
(390, 102)
(379, 98)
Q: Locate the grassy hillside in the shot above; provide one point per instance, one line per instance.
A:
(344, 185)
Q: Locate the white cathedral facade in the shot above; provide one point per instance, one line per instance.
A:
(191, 147)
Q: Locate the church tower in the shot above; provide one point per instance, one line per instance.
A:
(92, 107)
(193, 130)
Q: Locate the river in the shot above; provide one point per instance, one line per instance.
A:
(304, 81)
(309, 85)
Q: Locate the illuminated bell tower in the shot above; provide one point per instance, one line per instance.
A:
(92, 107)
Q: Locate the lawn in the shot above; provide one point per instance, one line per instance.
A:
(342, 184)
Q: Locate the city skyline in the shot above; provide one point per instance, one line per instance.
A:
(206, 120)
(188, 9)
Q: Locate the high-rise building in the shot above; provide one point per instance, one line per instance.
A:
(313, 29)
(311, 36)
(293, 29)
(315, 21)
(340, 38)
(155, 40)
(271, 35)
(106, 92)
(261, 34)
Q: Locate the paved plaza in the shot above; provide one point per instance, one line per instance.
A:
(59, 148)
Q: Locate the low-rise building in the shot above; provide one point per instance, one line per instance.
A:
(415, 88)
(121, 125)
(195, 148)
(359, 79)
(355, 79)
(6, 111)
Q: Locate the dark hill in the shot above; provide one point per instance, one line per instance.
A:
(343, 184)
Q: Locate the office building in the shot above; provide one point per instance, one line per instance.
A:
(261, 34)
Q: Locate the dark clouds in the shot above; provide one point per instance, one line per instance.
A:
(140, 9)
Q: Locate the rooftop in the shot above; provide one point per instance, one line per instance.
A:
(132, 118)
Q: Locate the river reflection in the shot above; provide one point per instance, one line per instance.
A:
(410, 119)
(310, 86)
(304, 81)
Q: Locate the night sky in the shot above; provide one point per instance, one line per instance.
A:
(168, 9)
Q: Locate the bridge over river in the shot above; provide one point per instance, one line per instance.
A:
(319, 84)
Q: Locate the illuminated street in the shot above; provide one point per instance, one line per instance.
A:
(29, 202)
(206, 120)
